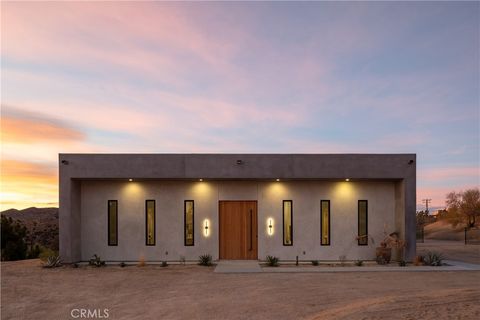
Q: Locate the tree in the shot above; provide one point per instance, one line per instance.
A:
(463, 207)
(13, 239)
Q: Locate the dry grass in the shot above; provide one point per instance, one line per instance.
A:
(194, 292)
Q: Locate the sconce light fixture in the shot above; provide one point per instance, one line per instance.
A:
(130, 180)
(206, 230)
(347, 179)
(270, 226)
(201, 180)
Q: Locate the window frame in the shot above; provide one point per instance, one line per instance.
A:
(185, 223)
(154, 223)
(291, 223)
(110, 244)
(321, 223)
(366, 223)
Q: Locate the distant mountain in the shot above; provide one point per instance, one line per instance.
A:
(41, 223)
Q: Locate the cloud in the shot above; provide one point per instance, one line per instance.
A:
(19, 126)
(26, 184)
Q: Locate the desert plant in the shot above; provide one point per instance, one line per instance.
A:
(315, 262)
(272, 261)
(164, 264)
(96, 261)
(205, 260)
(402, 263)
(433, 259)
(123, 264)
(359, 263)
(45, 253)
(13, 239)
(381, 259)
(52, 262)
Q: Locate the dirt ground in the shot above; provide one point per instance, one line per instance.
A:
(452, 250)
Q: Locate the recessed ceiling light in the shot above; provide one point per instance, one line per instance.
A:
(200, 180)
(278, 180)
(347, 179)
(130, 180)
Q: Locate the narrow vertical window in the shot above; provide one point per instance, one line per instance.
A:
(287, 222)
(362, 222)
(325, 222)
(112, 222)
(150, 222)
(188, 218)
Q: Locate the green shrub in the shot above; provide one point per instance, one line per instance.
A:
(359, 263)
(52, 262)
(96, 261)
(433, 259)
(205, 260)
(315, 262)
(272, 261)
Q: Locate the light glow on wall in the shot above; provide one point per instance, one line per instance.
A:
(206, 228)
(270, 226)
(344, 190)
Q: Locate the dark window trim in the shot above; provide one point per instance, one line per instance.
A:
(108, 223)
(185, 223)
(283, 223)
(366, 222)
(154, 223)
(321, 223)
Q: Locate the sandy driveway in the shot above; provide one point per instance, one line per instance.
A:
(193, 292)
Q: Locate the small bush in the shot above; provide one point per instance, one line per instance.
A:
(96, 261)
(123, 264)
(315, 262)
(402, 263)
(52, 262)
(433, 259)
(359, 263)
(272, 261)
(164, 264)
(45, 253)
(205, 260)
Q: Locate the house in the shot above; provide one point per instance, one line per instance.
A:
(166, 207)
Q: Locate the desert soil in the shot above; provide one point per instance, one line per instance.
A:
(194, 292)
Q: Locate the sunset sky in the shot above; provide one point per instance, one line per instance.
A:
(323, 77)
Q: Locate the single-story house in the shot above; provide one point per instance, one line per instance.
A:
(173, 207)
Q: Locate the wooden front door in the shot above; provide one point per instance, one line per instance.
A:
(238, 230)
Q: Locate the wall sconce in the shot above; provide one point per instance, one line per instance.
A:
(270, 226)
(206, 230)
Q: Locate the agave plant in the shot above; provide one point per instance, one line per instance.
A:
(52, 262)
(433, 259)
(205, 260)
(272, 261)
(96, 261)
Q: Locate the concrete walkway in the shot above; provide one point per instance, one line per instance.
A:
(252, 266)
(238, 266)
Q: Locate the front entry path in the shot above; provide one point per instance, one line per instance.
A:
(238, 266)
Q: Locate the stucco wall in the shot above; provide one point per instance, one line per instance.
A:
(170, 195)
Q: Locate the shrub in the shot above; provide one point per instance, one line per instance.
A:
(433, 259)
(359, 263)
(123, 264)
(315, 262)
(13, 239)
(96, 261)
(45, 253)
(205, 260)
(272, 261)
(52, 262)
(381, 260)
(34, 252)
(402, 263)
(164, 264)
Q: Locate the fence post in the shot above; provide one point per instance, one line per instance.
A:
(423, 234)
(465, 233)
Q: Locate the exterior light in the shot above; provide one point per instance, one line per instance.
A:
(270, 227)
(65, 162)
(200, 180)
(130, 180)
(277, 180)
(206, 230)
(347, 179)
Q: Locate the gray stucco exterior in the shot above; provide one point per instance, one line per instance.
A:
(87, 180)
